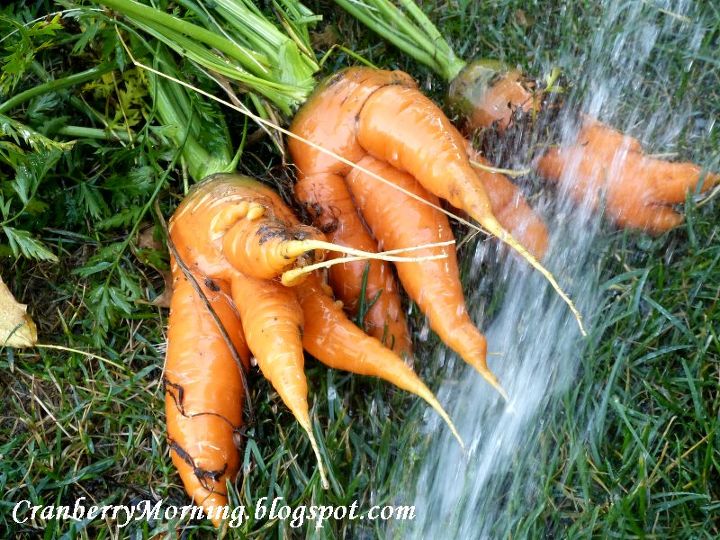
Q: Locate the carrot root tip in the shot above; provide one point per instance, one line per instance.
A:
(316, 449)
(490, 377)
(431, 400)
(512, 173)
(291, 277)
(494, 227)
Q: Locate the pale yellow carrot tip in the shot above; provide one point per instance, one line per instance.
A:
(490, 377)
(494, 227)
(291, 277)
(323, 477)
(512, 173)
(425, 393)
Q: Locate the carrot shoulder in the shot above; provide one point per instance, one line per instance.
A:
(203, 391)
(399, 221)
(486, 93)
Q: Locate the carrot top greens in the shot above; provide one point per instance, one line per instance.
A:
(407, 27)
(234, 39)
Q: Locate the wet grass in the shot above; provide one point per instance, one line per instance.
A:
(630, 451)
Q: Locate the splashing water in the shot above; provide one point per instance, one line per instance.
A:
(470, 495)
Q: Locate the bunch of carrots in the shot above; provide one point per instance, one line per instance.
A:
(597, 163)
(234, 239)
(234, 244)
(380, 170)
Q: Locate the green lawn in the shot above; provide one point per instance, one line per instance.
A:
(630, 446)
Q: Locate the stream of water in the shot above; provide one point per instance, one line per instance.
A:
(465, 495)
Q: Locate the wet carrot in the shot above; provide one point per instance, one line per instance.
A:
(273, 319)
(434, 285)
(336, 342)
(511, 208)
(486, 93)
(203, 390)
(638, 190)
(401, 126)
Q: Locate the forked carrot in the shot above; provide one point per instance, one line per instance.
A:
(638, 190)
(328, 119)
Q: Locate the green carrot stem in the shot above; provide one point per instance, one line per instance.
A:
(250, 60)
(81, 132)
(410, 30)
(55, 85)
(242, 46)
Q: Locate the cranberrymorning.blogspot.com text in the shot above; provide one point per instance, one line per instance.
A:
(317, 516)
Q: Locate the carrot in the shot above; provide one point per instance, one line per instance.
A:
(399, 125)
(638, 189)
(233, 223)
(487, 93)
(329, 203)
(328, 119)
(273, 321)
(336, 342)
(434, 285)
(511, 208)
(203, 390)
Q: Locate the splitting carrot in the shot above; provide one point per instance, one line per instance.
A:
(204, 414)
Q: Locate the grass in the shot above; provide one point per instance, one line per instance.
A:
(631, 450)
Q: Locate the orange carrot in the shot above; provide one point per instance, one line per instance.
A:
(273, 320)
(328, 118)
(434, 285)
(486, 93)
(329, 203)
(511, 208)
(331, 338)
(638, 190)
(203, 390)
